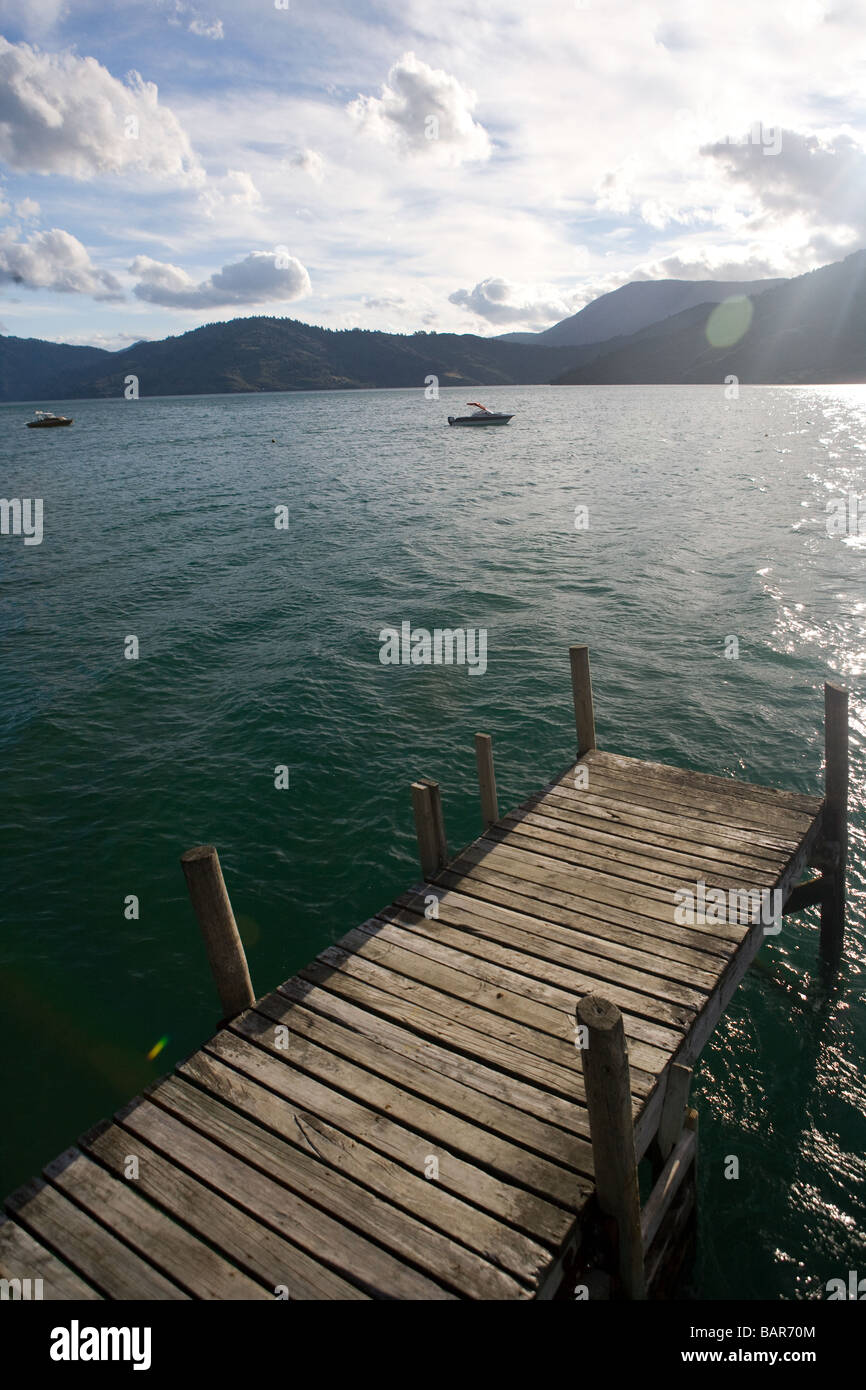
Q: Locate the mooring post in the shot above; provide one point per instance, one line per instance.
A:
(225, 952)
(608, 1099)
(429, 826)
(581, 684)
(674, 1107)
(835, 820)
(486, 780)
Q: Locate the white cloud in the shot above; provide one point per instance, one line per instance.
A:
(207, 29)
(734, 262)
(61, 114)
(35, 17)
(502, 301)
(53, 260)
(112, 342)
(260, 278)
(235, 189)
(27, 208)
(789, 174)
(309, 162)
(423, 109)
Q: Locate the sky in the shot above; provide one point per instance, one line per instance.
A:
(447, 166)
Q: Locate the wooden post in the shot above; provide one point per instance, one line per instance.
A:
(429, 826)
(438, 821)
(486, 780)
(225, 952)
(674, 1107)
(581, 684)
(835, 821)
(608, 1099)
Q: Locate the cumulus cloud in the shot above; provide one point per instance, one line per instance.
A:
(503, 301)
(235, 189)
(53, 260)
(26, 208)
(261, 277)
(61, 114)
(788, 173)
(717, 263)
(423, 109)
(309, 162)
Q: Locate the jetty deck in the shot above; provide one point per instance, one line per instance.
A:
(412, 1116)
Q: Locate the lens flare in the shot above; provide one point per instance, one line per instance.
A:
(730, 321)
(157, 1048)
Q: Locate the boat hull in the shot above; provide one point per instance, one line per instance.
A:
(479, 419)
(46, 424)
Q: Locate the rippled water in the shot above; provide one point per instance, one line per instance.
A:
(259, 647)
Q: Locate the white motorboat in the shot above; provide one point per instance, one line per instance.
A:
(480, 416)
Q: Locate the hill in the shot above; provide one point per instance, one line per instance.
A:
(270, 354)
(809, 329)
(636, 306)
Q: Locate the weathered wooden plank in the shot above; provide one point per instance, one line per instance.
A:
(503, 1104)
(86, 1246)
(495, 846)
(462, 1195)
(275, 1205)
(666, 794)
(552, 1084)
(546, 960)
(523, 1051)
(514, 973)
(451, 1224)
(701, 781)
(622, 857)
(617, 868)
(255, 1248)
(658, 900)
(491, 894)
(547, 875)
(22, 1257)
(691, 828)
(608, 829)
(159, 1240)
(676, 978)
(302, 1169)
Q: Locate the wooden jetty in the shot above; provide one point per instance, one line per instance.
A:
(453, 1101)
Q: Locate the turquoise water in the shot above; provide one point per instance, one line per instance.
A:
(259, 648)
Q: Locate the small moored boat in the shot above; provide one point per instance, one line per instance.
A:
(46, 419)
(480, 416)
